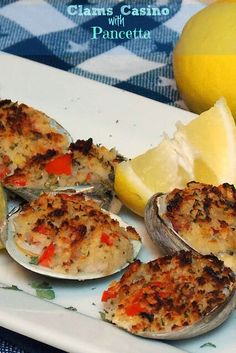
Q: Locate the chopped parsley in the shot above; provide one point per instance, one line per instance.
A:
(71, 308)
(12, 287)
(208, 344)
(103, 316)
(34, 260)
(43, 290)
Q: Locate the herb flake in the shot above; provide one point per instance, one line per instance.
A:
(71, 308)
(12, 287)
(48, 294)
(208, 344)
(43, 290)
(41, 285)
(34, 260)
(103, 316)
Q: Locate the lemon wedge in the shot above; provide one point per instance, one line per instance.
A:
(212, 138)
(203, 150)
(159, 169)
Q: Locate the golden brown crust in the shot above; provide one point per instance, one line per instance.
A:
(24, 132)
(79, 236)
(168, 293)
(205, 216)
(90, 164)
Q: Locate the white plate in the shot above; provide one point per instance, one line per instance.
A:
(115, 118)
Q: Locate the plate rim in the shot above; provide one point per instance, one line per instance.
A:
(79, 339)
(19, 323)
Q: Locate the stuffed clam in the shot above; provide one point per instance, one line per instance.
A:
(38, 155)
(200, 218)
(84, 163)
(69, 236)
(172, 297)
(26, 132)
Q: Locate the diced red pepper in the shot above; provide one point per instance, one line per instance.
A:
(108, 294)
(106, 239)
(71, 197)
(18, 180)
(137, 295)
(60, 165)
(134, 309)
(42, 230)
(6, 160)
(3, 172)
(88, 177)
(47, 255)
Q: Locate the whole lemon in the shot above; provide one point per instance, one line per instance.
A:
(204, 59)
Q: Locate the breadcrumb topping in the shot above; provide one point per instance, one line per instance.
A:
(168, 294)
(24, 132)
(205, 216)
(72, 234)
(83, 163)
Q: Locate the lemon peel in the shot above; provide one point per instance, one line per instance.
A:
(204, 59)
(203, 150)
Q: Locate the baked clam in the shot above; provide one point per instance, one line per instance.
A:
(173, 297)
(200, 218)
(83, 164)
(26, 132)
(69, 236)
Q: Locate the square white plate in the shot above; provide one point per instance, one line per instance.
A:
(112, 117)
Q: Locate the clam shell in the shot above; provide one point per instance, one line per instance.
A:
(100, 192)
(3, 218)
(27, 194)
(161, 232)
(23, 259)
(60, 129)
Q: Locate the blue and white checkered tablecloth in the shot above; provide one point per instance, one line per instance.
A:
(61, 33)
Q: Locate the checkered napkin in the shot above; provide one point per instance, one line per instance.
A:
(45, 31)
